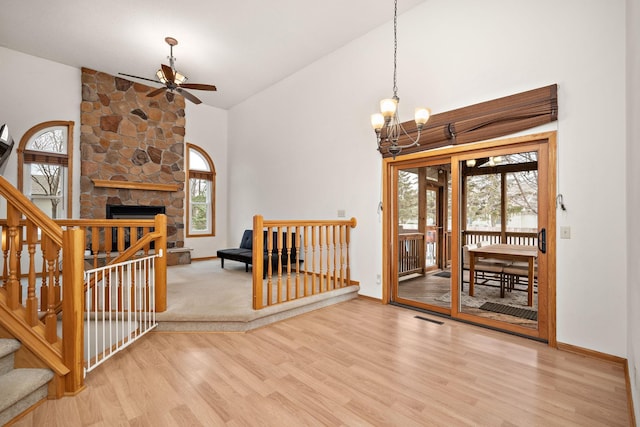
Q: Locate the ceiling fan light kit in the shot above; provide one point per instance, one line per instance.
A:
(172, 79)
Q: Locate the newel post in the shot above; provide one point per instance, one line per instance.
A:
(73, 308)
(258, 257)
(161, 263)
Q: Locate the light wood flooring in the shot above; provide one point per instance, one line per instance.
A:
(357, 363)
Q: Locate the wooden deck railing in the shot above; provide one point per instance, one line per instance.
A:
(297, 259)
(50, 255)
(493, 237)
(411, 253)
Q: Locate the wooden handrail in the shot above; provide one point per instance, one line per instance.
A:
(26, 207)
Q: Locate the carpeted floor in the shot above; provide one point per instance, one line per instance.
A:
(202, 296)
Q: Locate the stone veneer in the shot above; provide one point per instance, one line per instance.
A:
(127, 136)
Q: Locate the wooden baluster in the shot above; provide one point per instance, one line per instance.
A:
(305, 242)
(108, 239)
(321, 252)
(108, 243)
(19, 266)
(57, 289)
(327, 251)
(32, 301)
(334, 282)
(44, 296)
(341, 255)
(50, 253)
(147, 247)
(269, 266)
(297, 231)
(13, 217)
(314, 230)
(279, 260)
(5, 257)
(95, 245)
(287, 249)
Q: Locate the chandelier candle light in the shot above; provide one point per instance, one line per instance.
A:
(387, 118)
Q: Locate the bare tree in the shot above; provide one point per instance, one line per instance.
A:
(45, 176)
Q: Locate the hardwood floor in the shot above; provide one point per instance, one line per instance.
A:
(357, 363)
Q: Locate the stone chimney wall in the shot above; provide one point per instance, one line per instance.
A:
(127, 136)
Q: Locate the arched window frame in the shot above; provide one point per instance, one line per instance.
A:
(27, 156)
(195, 174)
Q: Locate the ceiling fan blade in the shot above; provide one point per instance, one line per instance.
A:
(189, 96)
(156, 92)
(168, 73)
(198, 86)
(138, 77)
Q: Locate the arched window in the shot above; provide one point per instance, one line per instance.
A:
(45, 165)
(201, 178)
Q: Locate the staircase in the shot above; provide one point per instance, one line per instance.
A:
(19, 388)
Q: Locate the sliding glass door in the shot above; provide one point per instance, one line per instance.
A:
(472, 237)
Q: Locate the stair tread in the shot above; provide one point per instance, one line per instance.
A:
(19, 383)
(8, 346)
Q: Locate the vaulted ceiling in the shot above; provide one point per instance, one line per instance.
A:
(241, 46)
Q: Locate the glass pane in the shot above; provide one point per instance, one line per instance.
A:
(200, 202)
(47, 183)
(197, 161)
(53, 140)
(499, 254)
(424, 200)
(200, 190)
(199, 218)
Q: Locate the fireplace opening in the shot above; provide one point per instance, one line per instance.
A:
(131, 212)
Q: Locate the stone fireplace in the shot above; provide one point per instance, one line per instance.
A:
(132, 150)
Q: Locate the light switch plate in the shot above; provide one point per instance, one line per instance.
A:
(565, 232)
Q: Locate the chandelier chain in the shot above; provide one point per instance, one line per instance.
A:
(395, 47)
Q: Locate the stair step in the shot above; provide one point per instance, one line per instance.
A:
(21, 389)
(8, 346)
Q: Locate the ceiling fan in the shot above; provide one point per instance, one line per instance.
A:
(172, 79)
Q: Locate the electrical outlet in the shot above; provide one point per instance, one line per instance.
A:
(565, 232)
(341, 213)
(378, 279)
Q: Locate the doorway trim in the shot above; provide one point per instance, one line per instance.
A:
(388, 166)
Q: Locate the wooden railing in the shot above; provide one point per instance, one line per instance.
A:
(297, 259)
(411, 253)
(494, 237)
(54, 261)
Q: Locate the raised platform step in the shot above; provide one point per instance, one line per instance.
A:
(251, 319)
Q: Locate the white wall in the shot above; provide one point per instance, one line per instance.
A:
(36, 90)
(303, 148)
(633, 195)
(207, 128)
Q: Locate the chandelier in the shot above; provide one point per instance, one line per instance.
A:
(387, 118)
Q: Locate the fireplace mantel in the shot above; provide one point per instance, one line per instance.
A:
(107, 183)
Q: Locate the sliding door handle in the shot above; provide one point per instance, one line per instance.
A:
(542, 240)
